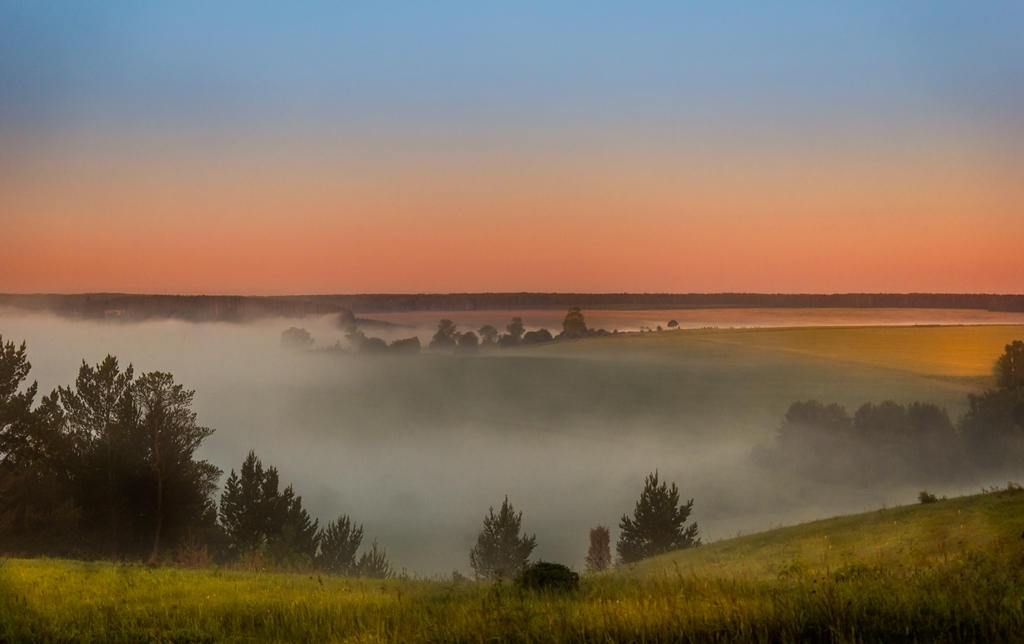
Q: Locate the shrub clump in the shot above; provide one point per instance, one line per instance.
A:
(548, 576)
(927, 497)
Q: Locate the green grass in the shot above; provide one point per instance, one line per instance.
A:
(953, 570)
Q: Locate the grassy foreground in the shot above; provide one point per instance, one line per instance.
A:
(953, 570)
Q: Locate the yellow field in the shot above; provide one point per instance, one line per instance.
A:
(956, 351)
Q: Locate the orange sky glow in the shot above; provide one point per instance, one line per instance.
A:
(261, 219)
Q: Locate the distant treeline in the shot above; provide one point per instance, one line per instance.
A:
(232, 308)
(894, 443)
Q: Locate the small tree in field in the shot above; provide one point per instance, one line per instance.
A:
(338, 545)
(500, 551)
(658, 523)
(374, 564)
(599, 557)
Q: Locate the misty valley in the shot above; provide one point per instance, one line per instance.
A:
(417, 448)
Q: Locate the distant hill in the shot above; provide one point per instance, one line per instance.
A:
(237, 308)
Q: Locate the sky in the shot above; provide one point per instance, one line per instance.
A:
(353, 147)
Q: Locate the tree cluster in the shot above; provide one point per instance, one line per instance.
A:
(107, 468)
(892, 442)
(658, 525)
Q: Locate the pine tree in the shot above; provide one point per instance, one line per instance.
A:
(657, 525)
(242, 507)
(259, 517)
(374, 563)
(500, 551)
(338, 545)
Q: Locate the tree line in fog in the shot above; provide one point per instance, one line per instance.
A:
(895, 443)
(449, 338)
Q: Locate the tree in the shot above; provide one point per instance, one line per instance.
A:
(673, 324)
(537, 337)
(242, 507)
(260, 517)
(599, 556)
(573, 325)
(488, 334)
(1010, 368)
(405, 345)
(182, 486)
(468, 342)
(295, 535)
(338, 545)
(15, 405)
(374, 563)
(500, 551)
(109, 462)
(515, 330)
(658, 523)
(35, 509)
(993, 427)
(296, 338)
(445, 337)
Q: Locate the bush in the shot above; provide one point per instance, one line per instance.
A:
(927, 497)
(547, 576)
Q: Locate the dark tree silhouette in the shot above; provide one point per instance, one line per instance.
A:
(500, 551)
(673, 324)
(445, 337)
(468, 342)
(537, 337)
(102, 417)
(258, 516)
(242, 507)
(1010, 369)
(406, 345)
(658, 523)
(574, 326)
(599, 556)
(338, 545)
(35, 508)
(515, 330)
(488, 334)
(181, 485)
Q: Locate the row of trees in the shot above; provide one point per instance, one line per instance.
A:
(658, 525)
(906, 443)
(107, 467)
(574, 326)
(449, 338)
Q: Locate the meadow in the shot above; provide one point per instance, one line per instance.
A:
(946, 571)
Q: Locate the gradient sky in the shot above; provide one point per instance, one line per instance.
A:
(257, 148)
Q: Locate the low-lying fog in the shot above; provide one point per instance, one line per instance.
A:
(417, 447)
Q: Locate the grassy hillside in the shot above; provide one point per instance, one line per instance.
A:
(918, 536)
(947, 571)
